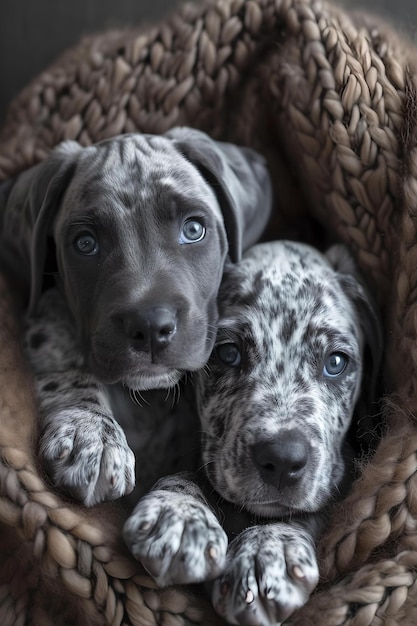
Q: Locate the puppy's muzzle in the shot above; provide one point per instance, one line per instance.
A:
(151, 330)
(283, 460)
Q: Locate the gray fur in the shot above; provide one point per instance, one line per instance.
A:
(144, 299)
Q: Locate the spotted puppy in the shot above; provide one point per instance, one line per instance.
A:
(135, 231)
(276, 405)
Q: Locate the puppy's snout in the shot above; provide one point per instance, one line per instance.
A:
(150, 330)
(281, 461)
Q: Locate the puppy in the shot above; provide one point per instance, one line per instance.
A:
(298, 345)
(136, 230)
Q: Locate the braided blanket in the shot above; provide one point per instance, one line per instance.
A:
(330, 98)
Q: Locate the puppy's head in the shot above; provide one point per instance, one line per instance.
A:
(285, 377)
(140, 227)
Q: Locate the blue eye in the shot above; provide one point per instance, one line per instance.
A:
(229, 354)
(335, 364)
(86, 244)
(192, 231)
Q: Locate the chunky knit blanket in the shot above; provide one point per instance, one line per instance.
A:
(330, 98)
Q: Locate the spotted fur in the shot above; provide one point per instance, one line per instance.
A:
(285, 310)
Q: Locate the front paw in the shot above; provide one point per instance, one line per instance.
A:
(87, 454)
(176, 538)
(270, 572)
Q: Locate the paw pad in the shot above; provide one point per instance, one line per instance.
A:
(213, 553)
(298, 573)
(249, 598)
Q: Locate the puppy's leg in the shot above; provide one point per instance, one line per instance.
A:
(270, 572)
(83, 447)
(175, 535)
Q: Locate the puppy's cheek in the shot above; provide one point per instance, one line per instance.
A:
(199, 327)
(214, 466)
(325, 476)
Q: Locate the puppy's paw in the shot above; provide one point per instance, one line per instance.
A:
(87, 454)
(176, 538)
(270, 572)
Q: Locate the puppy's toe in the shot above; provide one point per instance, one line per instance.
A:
(56, 444)
(117, 475)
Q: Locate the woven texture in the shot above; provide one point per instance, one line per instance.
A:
(330, 98)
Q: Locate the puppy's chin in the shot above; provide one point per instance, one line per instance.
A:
(277, 509)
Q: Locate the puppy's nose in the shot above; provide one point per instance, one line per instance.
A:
(281, 461)
(151, 330)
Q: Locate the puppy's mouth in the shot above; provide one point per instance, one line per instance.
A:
(147, 382)
(151, 377)
(272, 503)
(275, 508)
(260, 499)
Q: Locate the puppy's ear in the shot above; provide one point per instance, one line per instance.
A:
(240, 180)
(28, 205)
(353, 284)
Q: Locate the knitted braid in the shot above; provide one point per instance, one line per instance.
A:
(65, 546)
(386, 594)
(381, 507)
(343, 104)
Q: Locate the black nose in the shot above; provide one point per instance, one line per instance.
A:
(281, 461)
(150, 330)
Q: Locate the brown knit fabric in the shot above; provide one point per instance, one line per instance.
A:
(330, 98)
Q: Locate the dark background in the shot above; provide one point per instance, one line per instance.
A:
(34, 32)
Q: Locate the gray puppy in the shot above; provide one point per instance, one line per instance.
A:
(137, 229)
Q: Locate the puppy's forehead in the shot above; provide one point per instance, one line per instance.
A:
(136, 169)
(280, 278)
(285, 257)
(276, 265)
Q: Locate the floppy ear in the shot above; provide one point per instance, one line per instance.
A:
(240, 180)
(32, 201)
(353, 284)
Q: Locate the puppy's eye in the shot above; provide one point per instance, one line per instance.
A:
(86, 244)
(229, 354)
(192, 231)
(335, 364)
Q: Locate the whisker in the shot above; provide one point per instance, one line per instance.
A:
(190, 380)
(137, 397)
(204, 465)
(176, 395)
